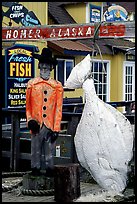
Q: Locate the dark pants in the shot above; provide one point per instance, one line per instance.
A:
(41, 150)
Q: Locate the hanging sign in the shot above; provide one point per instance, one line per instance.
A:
(115, 13)
(20, 14)
(19, 68)
(95, 13)
(72, 31)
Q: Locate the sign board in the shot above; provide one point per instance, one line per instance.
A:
(19, 68)
(95, 13)
(71, 31)
(20, 14)
(115, 13)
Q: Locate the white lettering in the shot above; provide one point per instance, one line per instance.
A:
(89, 31)
(15, 34)
(37, 34)
(10, 96)
(20, 84)
(52, 34)
(30, 32)
(59, 34)
(22, 96)
(17, 8)
(74, 31)
(19, 59)
(23, 34)
(8, 34)
(16, 15)
(80, 31)
(67, 33)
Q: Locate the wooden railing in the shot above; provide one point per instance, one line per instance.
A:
(18, 135)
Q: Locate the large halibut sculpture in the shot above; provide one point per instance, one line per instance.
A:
(104, 136)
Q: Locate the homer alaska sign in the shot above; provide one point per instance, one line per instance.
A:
(71, 31)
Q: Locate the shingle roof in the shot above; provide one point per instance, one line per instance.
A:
(106, 45)
(59, 14)
(69, 45)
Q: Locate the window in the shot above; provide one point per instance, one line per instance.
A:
(63, 69)
(129, 81)
(101, 81)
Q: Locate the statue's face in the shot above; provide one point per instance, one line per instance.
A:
(44, 70)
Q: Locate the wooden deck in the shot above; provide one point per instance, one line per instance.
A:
(89, 193)
(16, 196)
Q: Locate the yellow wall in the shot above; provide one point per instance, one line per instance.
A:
(116, 77)
(96, 3)
(77, 11)
(77, 92)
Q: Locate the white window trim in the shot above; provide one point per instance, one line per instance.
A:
(128, 63)
(87, 13)
(108, 76)
(65, 59)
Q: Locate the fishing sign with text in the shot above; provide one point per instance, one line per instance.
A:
(19, 68)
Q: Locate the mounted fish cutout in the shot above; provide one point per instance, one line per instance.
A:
(79, 73)
(104, 136)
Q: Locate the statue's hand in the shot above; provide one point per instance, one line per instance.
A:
(53, 136)
(33, 126)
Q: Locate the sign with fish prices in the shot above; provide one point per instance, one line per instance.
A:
(71, 31)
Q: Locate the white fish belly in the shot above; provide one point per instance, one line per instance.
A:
(103, 147)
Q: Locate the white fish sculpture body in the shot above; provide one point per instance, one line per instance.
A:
(104, 136)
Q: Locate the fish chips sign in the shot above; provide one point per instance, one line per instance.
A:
(19, 68)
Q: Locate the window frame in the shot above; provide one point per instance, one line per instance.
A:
(108, 77)
(65, 59)
(128, 64)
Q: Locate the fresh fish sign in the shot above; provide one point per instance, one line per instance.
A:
(19, 68)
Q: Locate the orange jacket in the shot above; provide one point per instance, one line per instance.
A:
(44, 100)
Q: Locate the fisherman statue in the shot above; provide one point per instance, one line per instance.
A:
(44, 98)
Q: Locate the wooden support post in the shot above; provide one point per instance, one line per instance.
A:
(72, 126)
(15, 129)
(67, 182)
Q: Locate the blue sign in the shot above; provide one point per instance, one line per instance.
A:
(20, 14)
(95, 13)
(115, 13)
(19, 68)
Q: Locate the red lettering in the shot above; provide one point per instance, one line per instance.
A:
(112, 30)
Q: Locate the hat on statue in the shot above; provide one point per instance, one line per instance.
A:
(45, 57)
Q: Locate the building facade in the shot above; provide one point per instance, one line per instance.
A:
(116, 83)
